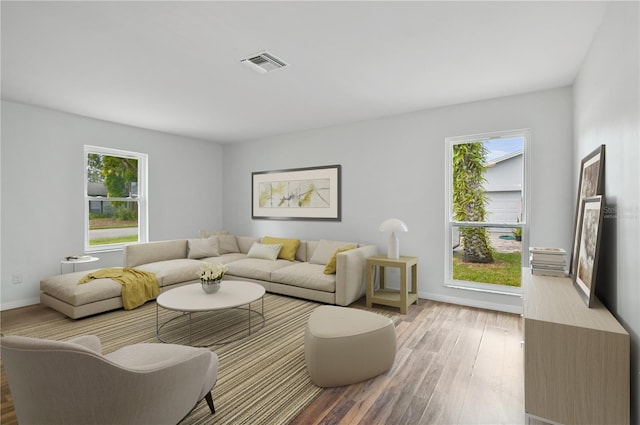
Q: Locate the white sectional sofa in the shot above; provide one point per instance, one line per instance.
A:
(177, 262)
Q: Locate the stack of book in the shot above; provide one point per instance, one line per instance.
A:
(548, 261)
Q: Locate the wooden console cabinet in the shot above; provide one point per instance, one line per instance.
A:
(576, 359)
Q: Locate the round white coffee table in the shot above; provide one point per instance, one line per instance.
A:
(191, 298)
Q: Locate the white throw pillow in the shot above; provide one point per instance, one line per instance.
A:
(228, 244)
(266, 252)
(325, 250)
(202, 248)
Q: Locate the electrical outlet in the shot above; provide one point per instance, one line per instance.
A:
(16, 279)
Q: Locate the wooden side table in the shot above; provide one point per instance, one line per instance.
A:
(402, 298)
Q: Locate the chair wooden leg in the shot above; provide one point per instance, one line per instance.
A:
(209, 399)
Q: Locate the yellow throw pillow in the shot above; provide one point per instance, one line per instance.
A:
(330, 268)
(289, 246)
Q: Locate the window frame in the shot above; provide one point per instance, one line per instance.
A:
(450, 223)
(141, 198)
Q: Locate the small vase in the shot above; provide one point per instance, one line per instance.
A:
(210, 286)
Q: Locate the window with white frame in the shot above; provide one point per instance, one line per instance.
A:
(115, 192)
(486, 217)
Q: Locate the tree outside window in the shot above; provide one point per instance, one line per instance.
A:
(470, 200)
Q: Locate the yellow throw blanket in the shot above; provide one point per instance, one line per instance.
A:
(138, 286)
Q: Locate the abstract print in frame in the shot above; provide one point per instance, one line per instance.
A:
(588, 248)
(590, 184)
(311, 193)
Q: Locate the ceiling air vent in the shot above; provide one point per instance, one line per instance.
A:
(264, 62)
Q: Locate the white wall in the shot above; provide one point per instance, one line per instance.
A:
(607, 112)
(42, 190)
(394, 167)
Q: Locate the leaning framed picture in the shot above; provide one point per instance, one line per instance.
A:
(311, 193)
(590, 231)
(591, 183)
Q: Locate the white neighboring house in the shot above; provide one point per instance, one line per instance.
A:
(504, 188)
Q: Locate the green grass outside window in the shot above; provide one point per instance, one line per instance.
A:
(506, 270)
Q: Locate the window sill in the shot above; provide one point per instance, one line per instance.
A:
(510, 291)
(102, 250)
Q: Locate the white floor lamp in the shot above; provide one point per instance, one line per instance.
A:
(393, 225)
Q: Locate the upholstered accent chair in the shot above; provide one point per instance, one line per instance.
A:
(72, 382)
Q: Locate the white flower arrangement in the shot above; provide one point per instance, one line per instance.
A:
(212, 272)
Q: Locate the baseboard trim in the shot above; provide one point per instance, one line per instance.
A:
(507, 308)
(19, 303)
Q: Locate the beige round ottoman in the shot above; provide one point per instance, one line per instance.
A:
(345, 345)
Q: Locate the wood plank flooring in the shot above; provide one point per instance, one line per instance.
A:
(454, 365)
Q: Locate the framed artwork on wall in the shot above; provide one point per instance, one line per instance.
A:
(591, 183)
(590, 230)
(311, 193)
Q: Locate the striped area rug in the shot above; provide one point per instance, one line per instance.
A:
(262, 378)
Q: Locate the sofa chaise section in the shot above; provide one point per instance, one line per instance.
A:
(62, 293)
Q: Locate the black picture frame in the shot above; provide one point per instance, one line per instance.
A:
(590, 183)
(589, 236)
(311, 193)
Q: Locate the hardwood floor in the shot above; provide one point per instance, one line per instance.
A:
(454, 365)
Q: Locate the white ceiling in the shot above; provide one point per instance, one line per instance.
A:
(175, 66)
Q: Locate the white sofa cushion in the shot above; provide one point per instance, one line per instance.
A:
(256, 268)
(174, 271)
(301, 253)
(201, 248)
(225, 258)
(325, 250)
(227, 244)
(245, 242)
(136, 254)
(65, 288)
(305, 275)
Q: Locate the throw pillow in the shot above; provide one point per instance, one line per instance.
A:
(324, 251)
(245, 242)
(330, 268)
(263, 251)
(228, 244)
(289, 247)
(202, 248)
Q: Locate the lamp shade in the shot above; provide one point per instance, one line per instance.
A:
(393, 225)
